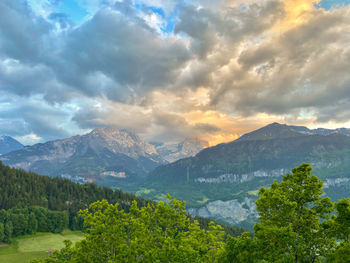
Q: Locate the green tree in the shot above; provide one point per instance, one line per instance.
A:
(290, 213)
(154, 233)
(342, 220)
(243, 249)
(32, 223)
(341, 254)
(8, 229)
(2, 233)
(340, 224)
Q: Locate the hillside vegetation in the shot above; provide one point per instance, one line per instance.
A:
(32, 203)
(295, 225)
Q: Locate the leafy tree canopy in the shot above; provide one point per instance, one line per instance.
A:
(154, 233)
(290, 214)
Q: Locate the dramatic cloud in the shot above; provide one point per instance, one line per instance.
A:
(172, 69)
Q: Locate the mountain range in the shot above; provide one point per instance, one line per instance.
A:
(9, 144)
(220, 182)
(110, 151)
(106, 155)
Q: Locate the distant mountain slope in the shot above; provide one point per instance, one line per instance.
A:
(102, 152)
(233, 172)
(275, 146)
(8, 144)
(186, 148)
(271, 131)
(321, 131)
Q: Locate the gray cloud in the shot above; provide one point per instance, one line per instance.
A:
(22, 32)
(133, 58)
(304, 68)
(206, 128)
(19, 117)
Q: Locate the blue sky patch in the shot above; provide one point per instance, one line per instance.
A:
(170, 19)
(75, 12)
(329, 4)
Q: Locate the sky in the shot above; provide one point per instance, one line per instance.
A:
(172, 69)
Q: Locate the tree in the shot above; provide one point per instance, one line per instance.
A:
(340, 224)
(8, 229)
(155, 233)
(342, 220)
(341, 254)
(32, 223)
(290, 214)
(243, 249)
(2, 233)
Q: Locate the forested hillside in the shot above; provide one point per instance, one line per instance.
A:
(30, 202)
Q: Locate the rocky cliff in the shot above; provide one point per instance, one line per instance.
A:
(184, 149)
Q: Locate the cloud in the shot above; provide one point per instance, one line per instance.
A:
(133, 58)
(20, 117)
(226, 68)
(22, 32)
(61, 19)
(302, 68)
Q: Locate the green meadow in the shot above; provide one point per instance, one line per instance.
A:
(26, 248)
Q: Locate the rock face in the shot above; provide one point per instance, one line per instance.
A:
(88, 155)
(240, 178)
(184, 149)
(336, 182)
(121, 141)
(232, 212)
(8, 144)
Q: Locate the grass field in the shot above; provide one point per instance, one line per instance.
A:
(26, 248)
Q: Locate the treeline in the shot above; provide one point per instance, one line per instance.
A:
(23, 194)
(21, 189)
(20, 221)
(297, 223)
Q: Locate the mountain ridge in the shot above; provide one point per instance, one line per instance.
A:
(9, 144)
(88, 155)
(186, 148)
(233, 172)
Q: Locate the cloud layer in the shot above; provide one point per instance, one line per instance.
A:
(172, 69)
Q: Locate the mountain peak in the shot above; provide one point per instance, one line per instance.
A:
(9, 144)
(276, 125)
(120, 140)
(271, 131)
(187, 148)
(89, 155)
